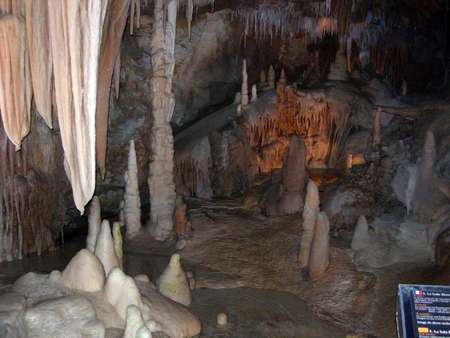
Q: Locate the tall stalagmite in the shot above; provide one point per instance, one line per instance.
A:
(320, 250)
(160, 180)
(75, 36)
(310, 212)
(132, 204)
(40, 57)
(115, 21)
(15, 81)
(244, 87)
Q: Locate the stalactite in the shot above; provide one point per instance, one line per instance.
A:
(189, 12)
(15, 80)
(244, 86)
(75, 37)
(160, 180)
(132, 205)
(40, 57)
(113, 28)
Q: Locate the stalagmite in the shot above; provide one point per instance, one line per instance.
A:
(160, 180)
(254, 93)
(132, 204)
(104, 250)
(271, 77)
(143, 332)
(134, 322)
(121, 291)
(360, 238)
(84, 273)
(118, 243)
(40, 57)
(15, 81)
(173, 282)
(283, 80)
(262, 78)
(320, 250)
(244, 87)
(75, 36)
(114, 26)
(377, 128)
(310, 212)
(94, 221)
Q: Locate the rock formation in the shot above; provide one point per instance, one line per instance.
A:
(290, 196)
(310, 212)
(377, 128)
(94, 221)
(118, 243)
(84, 273)
(360, 238)
(244, 86)
(271, 77)
(15, 81)
(320, 250)
(121, 292)
(160, 180)
(132, 200)
(173, 282)
(104, 250)
(134, 322)
(254, 93)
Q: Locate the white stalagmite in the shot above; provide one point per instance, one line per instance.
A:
(271, 77)
(15, 81)
(134, 321)
(75, 36)
(320, 251)
(173, 282)
(104, 250)
(40, 57)
(121, 292)
(377, 128)
(254, 93)
(84, 273)
(160, 179)
(118, 243)
(244, 86)
(360, 238)
(94, 221)
(143, 332)
(283, 79)
(310, 212)
(132, 200)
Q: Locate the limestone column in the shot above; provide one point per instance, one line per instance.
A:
(160, 179)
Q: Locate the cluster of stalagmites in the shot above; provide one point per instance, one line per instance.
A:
(93, 293)
(314, 255)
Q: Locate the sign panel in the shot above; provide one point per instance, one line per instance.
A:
(423, 311)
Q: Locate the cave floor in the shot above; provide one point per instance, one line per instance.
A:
(244, 265)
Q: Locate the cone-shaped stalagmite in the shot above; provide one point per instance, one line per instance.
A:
(115, 21)
(15, 81)
(132, 204)
(104, 249)
(84, 272)
(320, 250)
(271, 77)
(173, 282)
(361, 234)
(160, 179)
(75, 36)
(94, 220)
(254, 93)
(244, 86)
(310, 212)
(40, 57)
